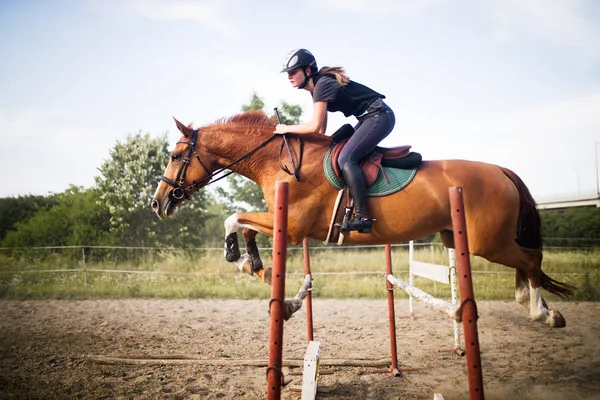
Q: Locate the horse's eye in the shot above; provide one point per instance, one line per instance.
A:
(175, 157)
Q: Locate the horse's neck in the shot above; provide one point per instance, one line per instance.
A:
(237, 143)
(265, 164)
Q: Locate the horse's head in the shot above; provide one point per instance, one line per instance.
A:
(186, 172)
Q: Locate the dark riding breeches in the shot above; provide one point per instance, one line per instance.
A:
(367, 134)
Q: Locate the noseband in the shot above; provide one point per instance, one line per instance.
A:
(180, 191)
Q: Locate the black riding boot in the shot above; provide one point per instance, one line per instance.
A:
(356, 183)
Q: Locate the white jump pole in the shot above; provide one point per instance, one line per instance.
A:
(424, 297)
(437, 273)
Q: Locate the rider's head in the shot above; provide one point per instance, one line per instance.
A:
(300, 65)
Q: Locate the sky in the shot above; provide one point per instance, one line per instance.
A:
(508, 82)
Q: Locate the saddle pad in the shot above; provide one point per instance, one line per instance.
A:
(399, 178)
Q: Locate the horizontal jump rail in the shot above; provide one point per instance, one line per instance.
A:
(159, 360)
(425, 298)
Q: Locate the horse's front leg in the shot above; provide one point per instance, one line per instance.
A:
(252, 223)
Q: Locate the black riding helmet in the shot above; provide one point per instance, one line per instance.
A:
(301, 58)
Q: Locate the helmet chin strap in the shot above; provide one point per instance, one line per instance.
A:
(306, 79)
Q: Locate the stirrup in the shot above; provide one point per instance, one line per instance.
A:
(362, 224)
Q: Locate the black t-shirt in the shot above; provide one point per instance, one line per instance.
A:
(352, 99)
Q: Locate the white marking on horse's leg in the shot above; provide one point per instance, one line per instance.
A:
(244, 264)
(537, 310)
(522, 294)
(231, 224)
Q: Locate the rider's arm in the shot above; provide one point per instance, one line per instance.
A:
(318, 124)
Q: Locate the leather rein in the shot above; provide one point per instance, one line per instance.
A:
(180, 191)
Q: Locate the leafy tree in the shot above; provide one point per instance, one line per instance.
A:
(290, 113)
(77, 218)
(213, 226)
(256, 103)
(127, 183)
(572, 227)
(19, 209)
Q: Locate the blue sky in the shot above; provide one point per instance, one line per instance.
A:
(508, 82)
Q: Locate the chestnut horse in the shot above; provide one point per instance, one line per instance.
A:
(503, 222)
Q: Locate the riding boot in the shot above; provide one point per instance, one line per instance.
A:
(356, 184)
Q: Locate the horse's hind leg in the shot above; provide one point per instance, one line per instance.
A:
(528, 265)
(521, 288)
(447, 239)
(538, 307)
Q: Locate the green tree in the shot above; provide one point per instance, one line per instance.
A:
(77, 218)
(19, 209)
(127, 183)
(290, 113)
(572, 227)
(256, 103)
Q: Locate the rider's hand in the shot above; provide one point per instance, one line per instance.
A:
(281, 129)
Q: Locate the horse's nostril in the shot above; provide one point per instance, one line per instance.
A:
(154, 204)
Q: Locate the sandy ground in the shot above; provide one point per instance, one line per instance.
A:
(50, 349)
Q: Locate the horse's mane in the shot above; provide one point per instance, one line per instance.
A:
(248, 118)
(254, 118)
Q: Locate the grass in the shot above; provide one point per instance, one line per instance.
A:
(205, 274)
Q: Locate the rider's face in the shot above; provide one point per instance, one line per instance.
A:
(296, 77)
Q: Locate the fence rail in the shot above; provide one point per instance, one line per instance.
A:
(85, 259)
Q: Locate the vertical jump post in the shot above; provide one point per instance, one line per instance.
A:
(466, 312)
(468, 306)
(277, 304)
(391, 312)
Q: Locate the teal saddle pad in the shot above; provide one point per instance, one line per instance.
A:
(399, 178)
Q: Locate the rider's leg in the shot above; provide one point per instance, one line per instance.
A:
(356, 184)
(368, 133)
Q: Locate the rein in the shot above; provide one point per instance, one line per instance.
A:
(180, 191)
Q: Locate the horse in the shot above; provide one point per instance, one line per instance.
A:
(502, 219)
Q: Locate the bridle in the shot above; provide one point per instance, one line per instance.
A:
(180, 191)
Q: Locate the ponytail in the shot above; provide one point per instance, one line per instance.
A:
(338, 72)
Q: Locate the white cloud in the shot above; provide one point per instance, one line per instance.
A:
(209, 12)
(378, 8)
(572, 23)
(45, 151)
(551, 146)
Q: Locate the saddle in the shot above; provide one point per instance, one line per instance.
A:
(394, 157)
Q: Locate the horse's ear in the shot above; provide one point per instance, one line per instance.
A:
(183, 129)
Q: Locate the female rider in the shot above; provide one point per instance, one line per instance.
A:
(332, 90)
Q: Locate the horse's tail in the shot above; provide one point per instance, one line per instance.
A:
(529, 233)
(529, 225)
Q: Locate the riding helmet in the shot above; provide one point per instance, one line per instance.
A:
(300, 58)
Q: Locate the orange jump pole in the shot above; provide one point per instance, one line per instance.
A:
(468, 305)
(277, 304)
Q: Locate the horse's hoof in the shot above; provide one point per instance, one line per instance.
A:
(291, 306)
(245, 264)
(555, 319)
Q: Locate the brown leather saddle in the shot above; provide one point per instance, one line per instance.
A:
(394, 157)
